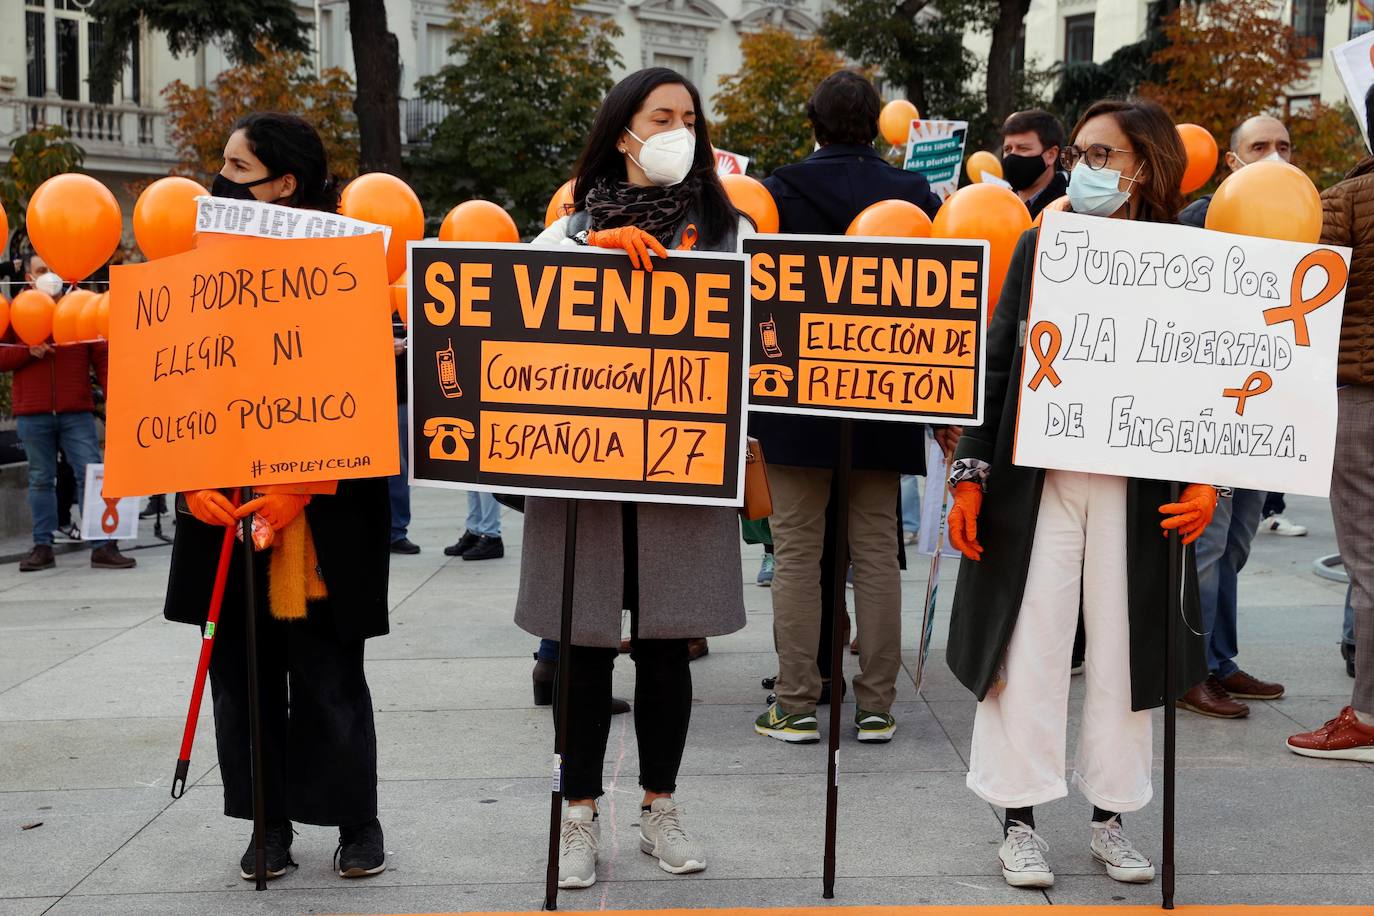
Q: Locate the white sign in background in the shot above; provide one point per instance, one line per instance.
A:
(1175, 353)
(1354, 61)
(101, 522)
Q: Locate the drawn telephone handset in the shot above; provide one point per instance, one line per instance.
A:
(770, 381)
(448, 372)
(448, 438)
(768, 333)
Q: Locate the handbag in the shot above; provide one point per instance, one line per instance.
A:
(758, 498)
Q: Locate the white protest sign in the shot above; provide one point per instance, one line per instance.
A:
(1354, 61)
(730, 163)
(101, 521)
(273, 221)
(1174, 353)
(936, 150)
(934, 503)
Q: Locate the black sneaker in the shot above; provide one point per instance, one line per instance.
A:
(277, 840)
(465, 543)
(486, 548)
(361, 852)
(405, 545)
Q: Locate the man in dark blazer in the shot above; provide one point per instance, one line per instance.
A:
(1031, 143)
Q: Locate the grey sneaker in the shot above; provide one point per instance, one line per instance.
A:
(1023, 858)
(661, 835)
(578, 846)
(1124, 862)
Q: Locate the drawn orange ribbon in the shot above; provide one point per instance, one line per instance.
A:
(109, 519)
(1258, 383)
(1046, 360)
(1299, 308)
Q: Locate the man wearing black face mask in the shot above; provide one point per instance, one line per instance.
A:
(1031, 141)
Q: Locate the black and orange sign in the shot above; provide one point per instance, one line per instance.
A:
(249, 363)
(879, 329)
(564, 371)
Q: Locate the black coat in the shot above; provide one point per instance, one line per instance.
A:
(821, 195)
(1195, 214)
(1057, 188)
(352, 532)
(988, 596)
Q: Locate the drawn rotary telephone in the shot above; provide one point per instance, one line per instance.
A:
(770, 381)
(448, 438)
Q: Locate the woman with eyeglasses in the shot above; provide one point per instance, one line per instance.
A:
(1034, 540)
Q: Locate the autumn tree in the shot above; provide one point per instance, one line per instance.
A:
(529, 77)
(762, 108)
(35, 157)
(199, 119)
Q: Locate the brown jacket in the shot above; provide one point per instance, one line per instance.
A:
(1348, 219)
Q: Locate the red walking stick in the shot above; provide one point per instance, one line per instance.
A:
(207, 645)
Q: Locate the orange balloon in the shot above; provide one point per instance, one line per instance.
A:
(400, 291)
(1201, 148)
(983, 161)
(478, 221)
(1272, 200)
(4, 233)
(88, 325)
(4, 306)
(991, 212)
(1059, 203)
(562, 198)
(892, 218)
(894, 123)
(752, 199)
(165, 217)
(67, 315)
(75, 224)
(31, 316)
(102, 317)
(378, 197)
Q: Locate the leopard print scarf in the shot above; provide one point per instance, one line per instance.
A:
(658, 211)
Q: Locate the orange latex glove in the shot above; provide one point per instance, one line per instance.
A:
(210, 506)
(635, 242)
(963, 519)
(1192, 513)
(276, 509)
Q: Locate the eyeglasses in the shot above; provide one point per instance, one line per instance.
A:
(1095, 156)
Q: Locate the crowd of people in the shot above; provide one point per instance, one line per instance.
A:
(1063, 572)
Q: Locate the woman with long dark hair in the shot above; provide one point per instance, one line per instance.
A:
(1043, 537)
(646, 183)
(321, 584)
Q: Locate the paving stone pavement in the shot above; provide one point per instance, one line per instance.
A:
(94, 684)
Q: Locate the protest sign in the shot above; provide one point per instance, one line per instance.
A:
(936, 150)
(1354, 61)
(878, 329)
(563, 371)
(102, 518)
(1174, 353)
(252, 362)
(224, 216)
(730, 163)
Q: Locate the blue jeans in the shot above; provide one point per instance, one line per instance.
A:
(484, 514)
(397, 485)
(42, 434)
(1221, 554)
(548, 650)
(911, 503)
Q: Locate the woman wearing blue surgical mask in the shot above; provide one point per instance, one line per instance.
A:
(646, 183)
(1044, 538)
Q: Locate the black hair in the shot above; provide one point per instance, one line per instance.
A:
(602, 160)
(1039, 122)
(844, 108)
(290, 145)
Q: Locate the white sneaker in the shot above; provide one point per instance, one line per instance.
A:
(1023, 858)
(1277, 524)
(661, 835)
(1124, 862)
(578, 846)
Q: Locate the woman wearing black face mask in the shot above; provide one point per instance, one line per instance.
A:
(321, 591)
(645, 183)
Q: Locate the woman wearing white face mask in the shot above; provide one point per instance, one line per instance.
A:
(646, 183)
(1044, 537)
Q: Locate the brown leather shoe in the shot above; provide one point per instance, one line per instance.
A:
(41, 557)
(1240, 684)
(1211, 699)
(1343, 738)
(696, 648)
(108, 556)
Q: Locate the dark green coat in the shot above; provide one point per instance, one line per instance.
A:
(987, 599)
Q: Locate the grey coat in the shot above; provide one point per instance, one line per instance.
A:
(687, 565)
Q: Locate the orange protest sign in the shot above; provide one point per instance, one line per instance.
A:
(254, 362)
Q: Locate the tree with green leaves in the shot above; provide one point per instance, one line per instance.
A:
(521, 100)
(762, 108)
(35, 157)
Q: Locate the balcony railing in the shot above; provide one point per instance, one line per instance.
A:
(418, 115)
(121, 132)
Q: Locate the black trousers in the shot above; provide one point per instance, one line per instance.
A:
(319, 741)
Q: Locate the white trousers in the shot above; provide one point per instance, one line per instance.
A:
(1019, 736)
